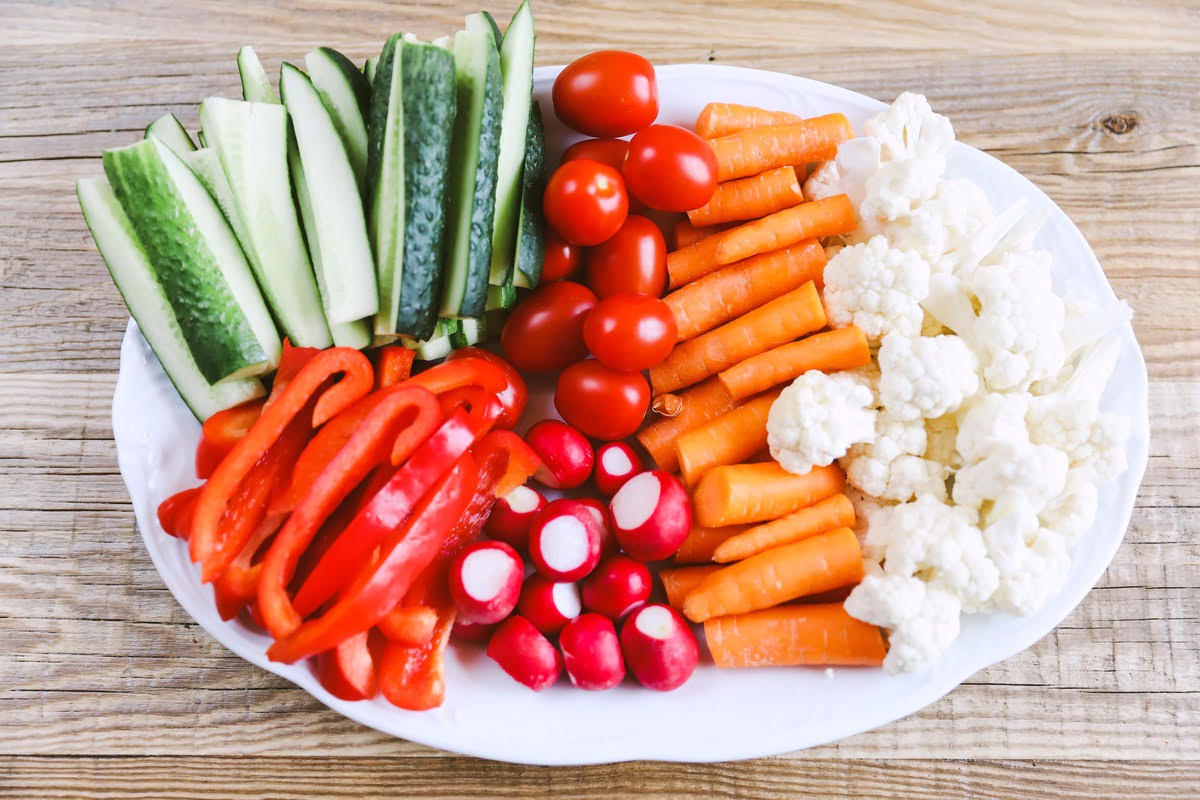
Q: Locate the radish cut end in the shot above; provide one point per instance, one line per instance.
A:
(635, 503)
(522, 500)
(566, 599)
(485, 572)
(616, 461)
(564, 543)
(656, 622)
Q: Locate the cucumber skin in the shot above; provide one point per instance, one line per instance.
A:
(384, 228)
(531, 232)
(358, 81)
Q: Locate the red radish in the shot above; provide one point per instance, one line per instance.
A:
(616, 463)
(485, 581)
(652, 515)
(616, 587)
(564, 541)
(549, 605)
(608, 539)
(566, 454)
(525, 654)
(513, 514)
(472, 631)
(592, 652)
(659, 647)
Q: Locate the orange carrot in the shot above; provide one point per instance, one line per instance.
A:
(697, 406)
(693, 261)
(680, 581)
(742, 287)
(787, 636)
(721, 119)
(829, 217)
(731, 438)
(832, 512)
(701, 543)
(783, 319)
(817, 564)
(685, 233)
(750, 198)
(756, 150)
(842, 348)
(744, 493)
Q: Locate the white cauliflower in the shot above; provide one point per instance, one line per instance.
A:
(925, 376)
(898, 189)
(1072, 512)
(988, 421)
(1011, 472)
(1032, 561)
(877, 288)
(941, 435)
(857, 160)
(817, 418)
(921, 620)
(909, 128)
(892, 466)
(957, 210)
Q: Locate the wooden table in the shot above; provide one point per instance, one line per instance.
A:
(107, 688)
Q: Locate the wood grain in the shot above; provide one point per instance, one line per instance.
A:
(108, 689)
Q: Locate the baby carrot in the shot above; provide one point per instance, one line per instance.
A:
(780, 321)
(701, 543)
(697, 406)
(831, 216)
(743, 286)
(685, 233)
(731, 438)
(795, 635)
(817, 564)
(681, 580)
(693, 261)
(756, 150)
(831, 513)
(842, 348)
(721, 119)
(750, 198)
(744, 493)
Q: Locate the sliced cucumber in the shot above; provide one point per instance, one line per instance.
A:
(531, 232)
(473, 170)
(491, 21)
(348, 270)
(251, 140)
(516, 65)
(168, 130)
(197, 260)
(501, 297)
(369, 69)
(469, 332)
(256, 86)
(206, 165)
(136, 281)
(438, 345)
(347, 95)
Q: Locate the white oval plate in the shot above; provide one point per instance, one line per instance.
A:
(718, 715)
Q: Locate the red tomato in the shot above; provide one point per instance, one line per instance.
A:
(545, 332)
(670, 168)
(515, 394)
(606, 151)
(607, 93)
(633, 261)
(585, 201)
(630, 332)
(562, 258)
(601, 402)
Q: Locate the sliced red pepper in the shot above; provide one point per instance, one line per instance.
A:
(521, 461)
(238, 584)
(221, 432)
(206, 543)
(464, 372)
(413, 678)
(348, 670)
(515, 395)
(380, 585)
(175, 513)
(365, 450)
(482, 404)
(291, 361)
(395, 364)
(411, 626)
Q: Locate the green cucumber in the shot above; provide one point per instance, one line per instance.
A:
(256, 86)
(437, 345)
(473, 170)
(369, 70)
(136, 281)
(531, 232)
(409, 134)
(516, 66)
(251, 140)
(206, 165)
(347, 95)
(491, 21)
(337, 219)
(469, 332)
(197, 260)
(501, 297)
(168, 130)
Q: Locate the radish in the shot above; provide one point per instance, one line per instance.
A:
(525, 654)
(616, 462)
(513, 514)
(652, 515)
(659, 647)
(485, 581)
(608, 539)
(548, 605)
(616, 587)
(566, 454)
(564, 541)
(472, 631)
(592, 652)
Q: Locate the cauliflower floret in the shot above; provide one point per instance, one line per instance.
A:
(941, 434)
(1032, 561)
(877, 288)
(816, 420)
(909, 128)
(922, 621)
(898, 188)
(1072, 512)
(1012, 472)
(892, 467)
(957, 210)
(857, 160)
(987, 421)
(865, 508)
(925, 376)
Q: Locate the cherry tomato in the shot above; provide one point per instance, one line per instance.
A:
(630, 332)
(515, 394)
(670, 168)
(545, 332)
(562, 258)
(601, 402)
(606, 151)
(607, 93)
(633, 261)
(585, 201)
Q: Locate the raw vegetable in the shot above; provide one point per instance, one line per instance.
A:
(485, 582)
(659, 647)
(221, 432)
(564, 541)
(651, 515)
(347, 671)
(670, 168)
(756, 150)
(585, 202)
(694, 260)
(818, 418)
(592, 652)
(735, 495)
(617, 586)
(561, 259)
(607, 151)
(702, 542)
(545, 332)
(346, 94)
(567, 456)
(608, 539)
(832, 216)
(548, 605)
(839, 349)
(680, 581)
(531, 228)
(829, 514)
(629, 332)
(608, 93)
(471, 632)
(632, 261)
(395, 365)
(731, 438)
(168, 130)
(616, 463)
(256, 86)
(811, 635)
(513, 515)
(696, 406)
(601, 402)
(721, 119)
(750, 198)
(412, 626)
(685, 233)
(525, 654)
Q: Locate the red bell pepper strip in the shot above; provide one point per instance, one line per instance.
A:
(365, 450)
(206, 542)
(520, 460)
(413, 678)
(348, 670)
(479, 402)
(411, 626)
(291, 361)
(379, 586)
(386, 511)
(395, 364)
(221, 432)
(464, 372)
(238, 584)
(515, 395)
(175, 513)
